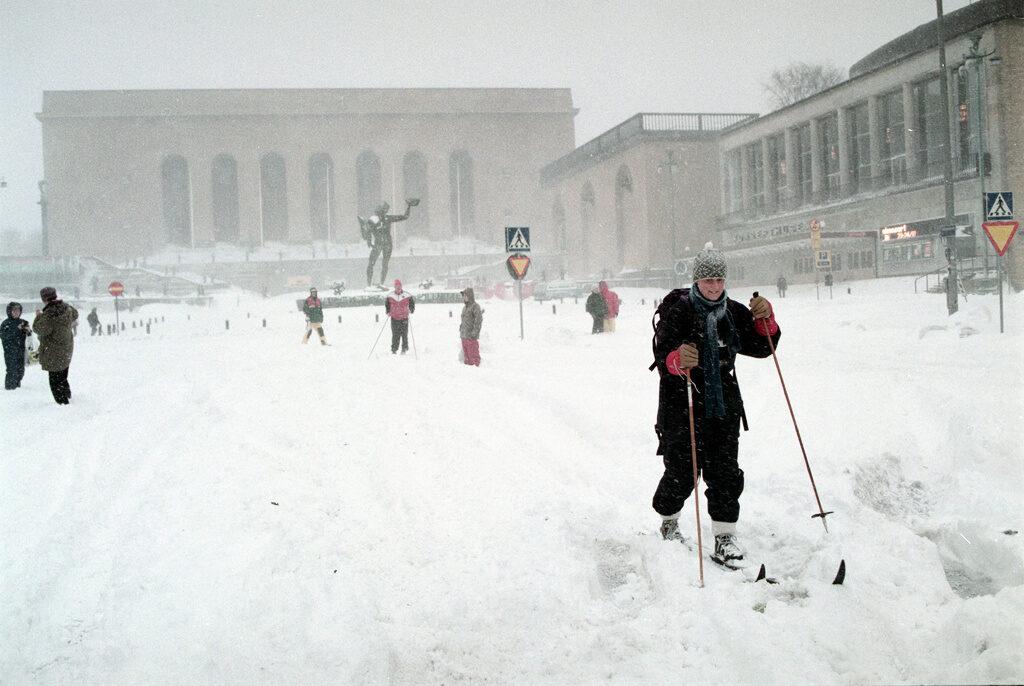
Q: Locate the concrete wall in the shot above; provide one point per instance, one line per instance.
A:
(103, 157)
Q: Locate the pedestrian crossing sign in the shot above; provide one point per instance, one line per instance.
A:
(998, 206)
(517, 239)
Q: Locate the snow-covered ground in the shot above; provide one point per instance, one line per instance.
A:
(229, 506)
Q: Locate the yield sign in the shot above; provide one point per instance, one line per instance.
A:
(517, 266)
(1000, 234)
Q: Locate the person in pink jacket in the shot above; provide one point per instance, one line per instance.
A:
(399, 305)
(611, 299)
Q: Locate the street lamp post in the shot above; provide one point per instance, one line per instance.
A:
(952, 291)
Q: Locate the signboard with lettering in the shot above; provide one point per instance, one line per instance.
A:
(823, 259)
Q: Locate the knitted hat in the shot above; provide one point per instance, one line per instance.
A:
(709, 264)
(48, 294)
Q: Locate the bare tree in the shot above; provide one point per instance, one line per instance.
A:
(800, 80)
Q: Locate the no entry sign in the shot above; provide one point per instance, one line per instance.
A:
(115, 288)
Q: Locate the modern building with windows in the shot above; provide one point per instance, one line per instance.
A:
(128, 173)
(865, 158)
(640, 195)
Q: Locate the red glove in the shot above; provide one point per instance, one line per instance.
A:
(766, 326)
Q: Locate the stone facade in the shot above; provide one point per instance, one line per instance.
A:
(864, 159)
(130, 172)
(643, 194)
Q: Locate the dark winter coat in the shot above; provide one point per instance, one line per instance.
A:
(93, 319)
(13, 332)
(56, 339)
(472, 317)
(596, 306)
(314, 310)
(681, 325)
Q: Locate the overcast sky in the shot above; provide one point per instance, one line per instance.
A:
(619, 57)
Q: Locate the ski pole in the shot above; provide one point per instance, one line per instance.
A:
(413, 337)
(693, 461)
(800, 440)
(378, 338)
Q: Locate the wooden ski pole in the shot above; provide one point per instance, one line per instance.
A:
(693, 462)
(413, 337)
(800, 440)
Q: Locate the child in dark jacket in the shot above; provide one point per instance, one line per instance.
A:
(13, 332)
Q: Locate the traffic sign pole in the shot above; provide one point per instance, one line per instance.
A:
(117, 315)
(522, 334)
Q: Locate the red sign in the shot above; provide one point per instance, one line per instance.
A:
(1000, 234)
(517, 266)
(115, 288)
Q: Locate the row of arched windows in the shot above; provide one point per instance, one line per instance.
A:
(627, 220)
(369, 186)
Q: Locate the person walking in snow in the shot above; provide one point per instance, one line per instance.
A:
(13, 333)
(399, 305)
(314, 310)
(702, 331)
(469, 328)
(54, 326)
(94, 322)
(781, 285)
(597, 308)
(611, 298)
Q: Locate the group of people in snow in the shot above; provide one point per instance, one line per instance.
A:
(54, 325)
(399, 305)
(603, 306)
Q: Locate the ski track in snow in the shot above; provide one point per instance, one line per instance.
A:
(229, 506)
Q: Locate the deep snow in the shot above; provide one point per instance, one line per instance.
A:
(436, 523)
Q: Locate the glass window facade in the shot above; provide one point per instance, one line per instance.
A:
(860, 149)
(733, 187)
(830, 156)
(929, 112)
(803, 147)
(777, 164)
(893, 144)
(755, 174)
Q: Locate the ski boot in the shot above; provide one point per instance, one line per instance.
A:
(670, 530)
(727, 552)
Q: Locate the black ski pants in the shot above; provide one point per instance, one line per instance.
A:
(399, 333)
(598, 325)
(717, 463)
(60, 387)
(15, 370)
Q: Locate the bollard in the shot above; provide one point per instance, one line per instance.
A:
(376, 317)
(264, 323)
(553, 311)
(147, 328)
(227, 325)
(449, 314)
(248, 314)
(575, 301)
(189, 317)
(122, 326)
(643, 301)
(133, 323)
(163, 318)
(339, 319)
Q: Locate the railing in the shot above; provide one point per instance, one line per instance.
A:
(647, 122)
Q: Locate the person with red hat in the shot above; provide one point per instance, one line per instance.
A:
(399, 305)
(53, 325)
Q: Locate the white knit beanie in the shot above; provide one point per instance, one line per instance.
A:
(709, 264)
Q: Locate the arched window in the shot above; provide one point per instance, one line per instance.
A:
(588, 212)
(368, 193)
(321, 197)
(624, 221)
(225, 198)
(461, 202)
(558, 225)
(177, 196)
(414, 181)
(274, 192)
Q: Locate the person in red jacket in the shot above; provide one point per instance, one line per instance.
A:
(611, 299)
(399, 305)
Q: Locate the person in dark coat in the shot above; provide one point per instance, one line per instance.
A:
(313, 308)
(54, 324)
(399, 305)
(469, 328)
(702, 332)
(13, 333)
(597, 308)
(94, 322)
(782, 285)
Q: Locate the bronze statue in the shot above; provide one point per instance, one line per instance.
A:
(376, 231)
